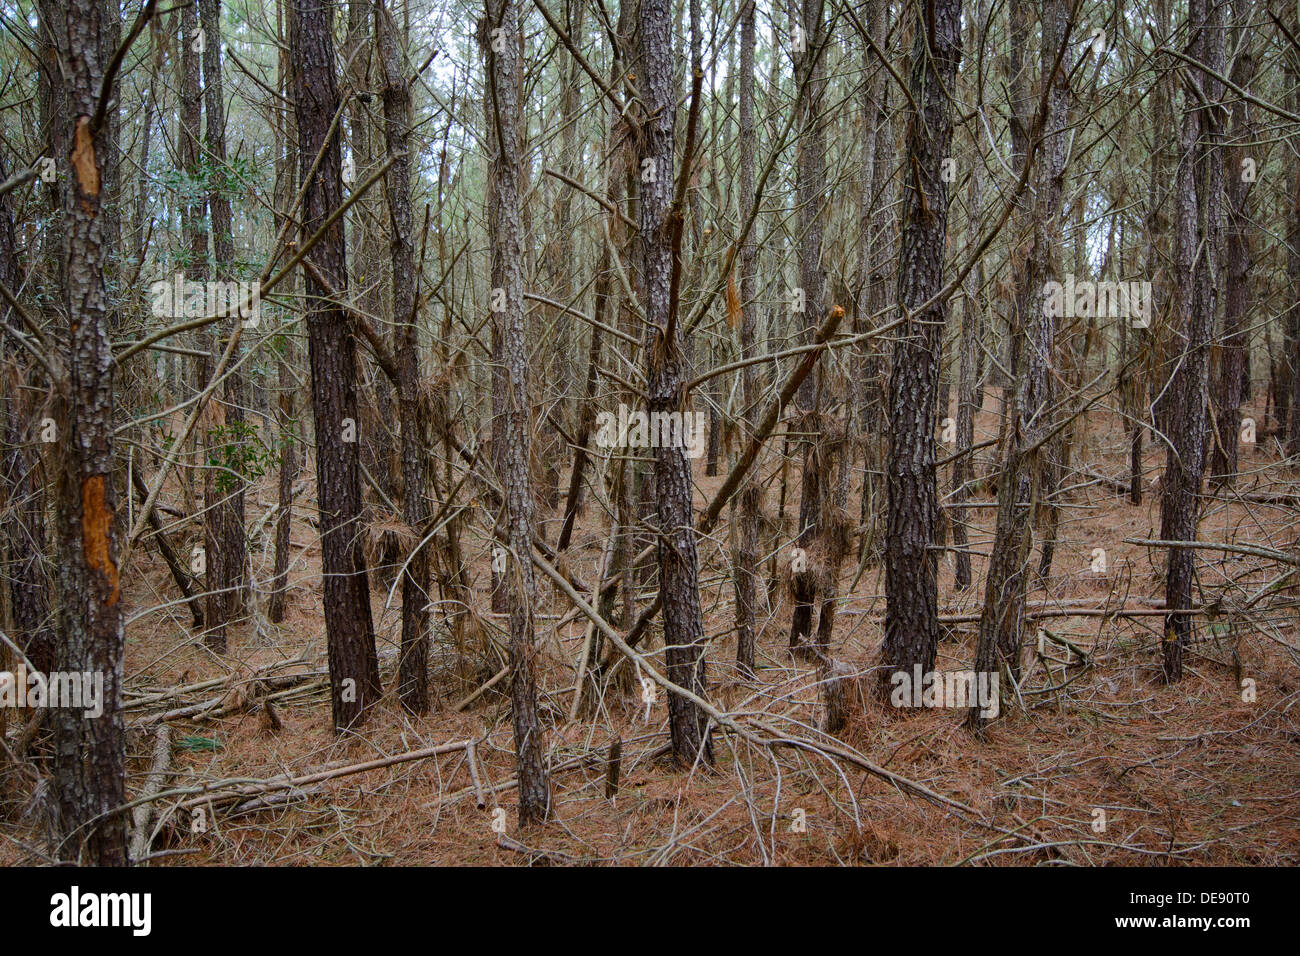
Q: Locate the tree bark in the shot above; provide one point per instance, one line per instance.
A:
(970, 390)
(1196, 253)
(1231, 379)
(745, 559)
(810, 189)
(89, 754)
(665, 380)
(1144, 383)
(500, 40)
(349, 629)
(228, 557)
(286, 399)
(412, 679)
(911, 587)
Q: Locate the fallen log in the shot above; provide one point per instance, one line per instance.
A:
(143, 814)
(243, 792)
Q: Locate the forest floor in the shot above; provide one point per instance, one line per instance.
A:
(1094, 763)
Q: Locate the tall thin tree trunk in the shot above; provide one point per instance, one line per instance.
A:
(89, 754)
(1144, 382)
(1196, 256)
(911, 568)
(114, 259)
(1287, 401)
(970, 390)
(229, 556)
(349, 629)
(746, 557)
(500, 39)
(810, 190)
(881, 241)
(665, 381)
(1230, 382)
(286, 400)
(195, 230)
(412, 679)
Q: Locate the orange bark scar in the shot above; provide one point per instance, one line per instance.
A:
(96, 520)
(83, 158)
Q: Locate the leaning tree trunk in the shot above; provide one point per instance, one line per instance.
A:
(502, 52)
(349, 629)
(911, 567)
(89, 754)
(1196, 250)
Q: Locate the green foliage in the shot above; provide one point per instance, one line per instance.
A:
(233, 179)
(237, 452)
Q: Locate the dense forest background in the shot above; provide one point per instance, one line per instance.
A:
(313, 318)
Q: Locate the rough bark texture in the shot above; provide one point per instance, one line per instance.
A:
(1231, 378)
(412, 678)
(665, 373)
(354, 666)
(911, 587)
(89, 754)
(501, 53)
(1196, 248)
